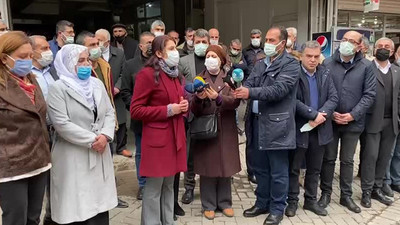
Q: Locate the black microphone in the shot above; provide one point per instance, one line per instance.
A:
(228, 80)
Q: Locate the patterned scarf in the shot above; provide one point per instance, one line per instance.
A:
(28, 88)
(171, 72)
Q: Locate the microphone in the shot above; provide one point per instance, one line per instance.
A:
(197, 86)
(238, 76)
(228, 80)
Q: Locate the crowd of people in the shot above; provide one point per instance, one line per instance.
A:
(64, 105)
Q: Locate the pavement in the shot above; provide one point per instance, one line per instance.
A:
(243, 198)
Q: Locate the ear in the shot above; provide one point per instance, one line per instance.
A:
(3, 58)
(159, 54)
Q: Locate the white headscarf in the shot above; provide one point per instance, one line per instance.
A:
(65, 62)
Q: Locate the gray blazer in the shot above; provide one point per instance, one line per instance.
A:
(375, 114)
(187, 67)
(117, 61)
(82, 180)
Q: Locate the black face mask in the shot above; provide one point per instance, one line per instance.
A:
(382, 54)
(149, 52)
(120, 39)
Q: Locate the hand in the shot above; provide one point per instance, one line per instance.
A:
(211, 93)
(313, 123)
(116, 91)
(176, 109)
(338, 118)
(347, 117)
(241, 92)
(100, 144)
(320, 118)
(184, 105)
(201, 95)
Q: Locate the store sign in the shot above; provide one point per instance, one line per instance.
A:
(325, 40)
(371, 5)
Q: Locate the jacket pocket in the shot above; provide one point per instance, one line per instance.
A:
(157, 134)
(278, 123)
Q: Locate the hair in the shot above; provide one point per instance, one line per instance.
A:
(145, 34)
(189, 29)
(255, 31)
(172, 31)
(310, 44)
(10, 42)
(293, 30)
(104, 32)
(385, 39)
(283, 32)
(159, 44)
(157, 23)
(236, 41)
(60, 26)
(80, 39)
(201, 33)
(33, 39)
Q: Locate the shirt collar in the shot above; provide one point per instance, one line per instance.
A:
(308, 73)
(383, 69)
(44, 70)
(351, 60)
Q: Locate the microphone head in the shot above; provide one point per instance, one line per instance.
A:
(198, 85)
(199, 78)
(238, 75)
(190, 88)
(228, 80)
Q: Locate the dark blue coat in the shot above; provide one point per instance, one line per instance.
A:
(356, 88)
(327, 102)
(275, 88)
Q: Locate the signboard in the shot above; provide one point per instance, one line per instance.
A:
(371, 5)
(325, 40)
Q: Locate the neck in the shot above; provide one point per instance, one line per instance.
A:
(275, 56)
(383, 63)
(95, 64)
(37, 65)
(347, 58)
(216, 73)
(144, 55)
(60, 42)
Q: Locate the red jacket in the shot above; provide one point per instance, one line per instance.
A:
(163, 138)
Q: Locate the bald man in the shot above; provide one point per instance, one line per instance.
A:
(355, 82)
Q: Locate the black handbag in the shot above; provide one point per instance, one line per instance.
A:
(204, 127)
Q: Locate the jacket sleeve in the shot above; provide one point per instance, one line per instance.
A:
(118, 82)
(140, 110)
(304, 110)
(126, 86)
(184, 68)
(369, 93)
(108, 128)
(251, 80)
(284, 83)
(333, 99)
(57, 111)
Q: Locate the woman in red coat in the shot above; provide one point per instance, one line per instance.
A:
(158, 101)
(217, 159)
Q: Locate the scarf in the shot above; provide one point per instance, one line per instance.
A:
(28, 88)
(171, 72)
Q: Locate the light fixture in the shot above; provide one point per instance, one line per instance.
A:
(376, 22)
(359, 24)
(363, 20)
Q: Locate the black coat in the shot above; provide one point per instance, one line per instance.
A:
(131, 68)
(251, 56)
(275, 89)
(356, 88)
(375, 114)
(327, 102)
(130, 45)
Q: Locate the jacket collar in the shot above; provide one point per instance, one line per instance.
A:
(357, 57)
(113, 51)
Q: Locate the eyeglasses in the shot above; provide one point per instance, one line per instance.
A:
(351, 41)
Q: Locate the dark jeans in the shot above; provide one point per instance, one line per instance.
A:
(215, 193)
(314, 156)
(121, 138)
(271, 168)
(99, 219)
(348, 143)
(21, 200)
(376, 156)
(189, 178)
(138, 156)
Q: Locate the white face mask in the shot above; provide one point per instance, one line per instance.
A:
(270, 49)
(189, 43)
(289, 43)
(173, 58)
(104, 49)
(214, 42)
(47, 58)
(234, 52)
(158, 33)
(68, 39)
(346, 48)
(212, 65)
(256, 42)
(94, 53)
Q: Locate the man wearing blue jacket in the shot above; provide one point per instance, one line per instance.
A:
(355, 82)
(316, 100)
(270, 125)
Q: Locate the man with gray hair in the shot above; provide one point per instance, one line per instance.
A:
(158, 28)
(64, 35)
(316, 100)
(365, 48)
(381, 126)
(291, 44)
(253, 53)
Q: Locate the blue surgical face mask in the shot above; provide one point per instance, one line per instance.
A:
(22, 67)
(84, 72)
